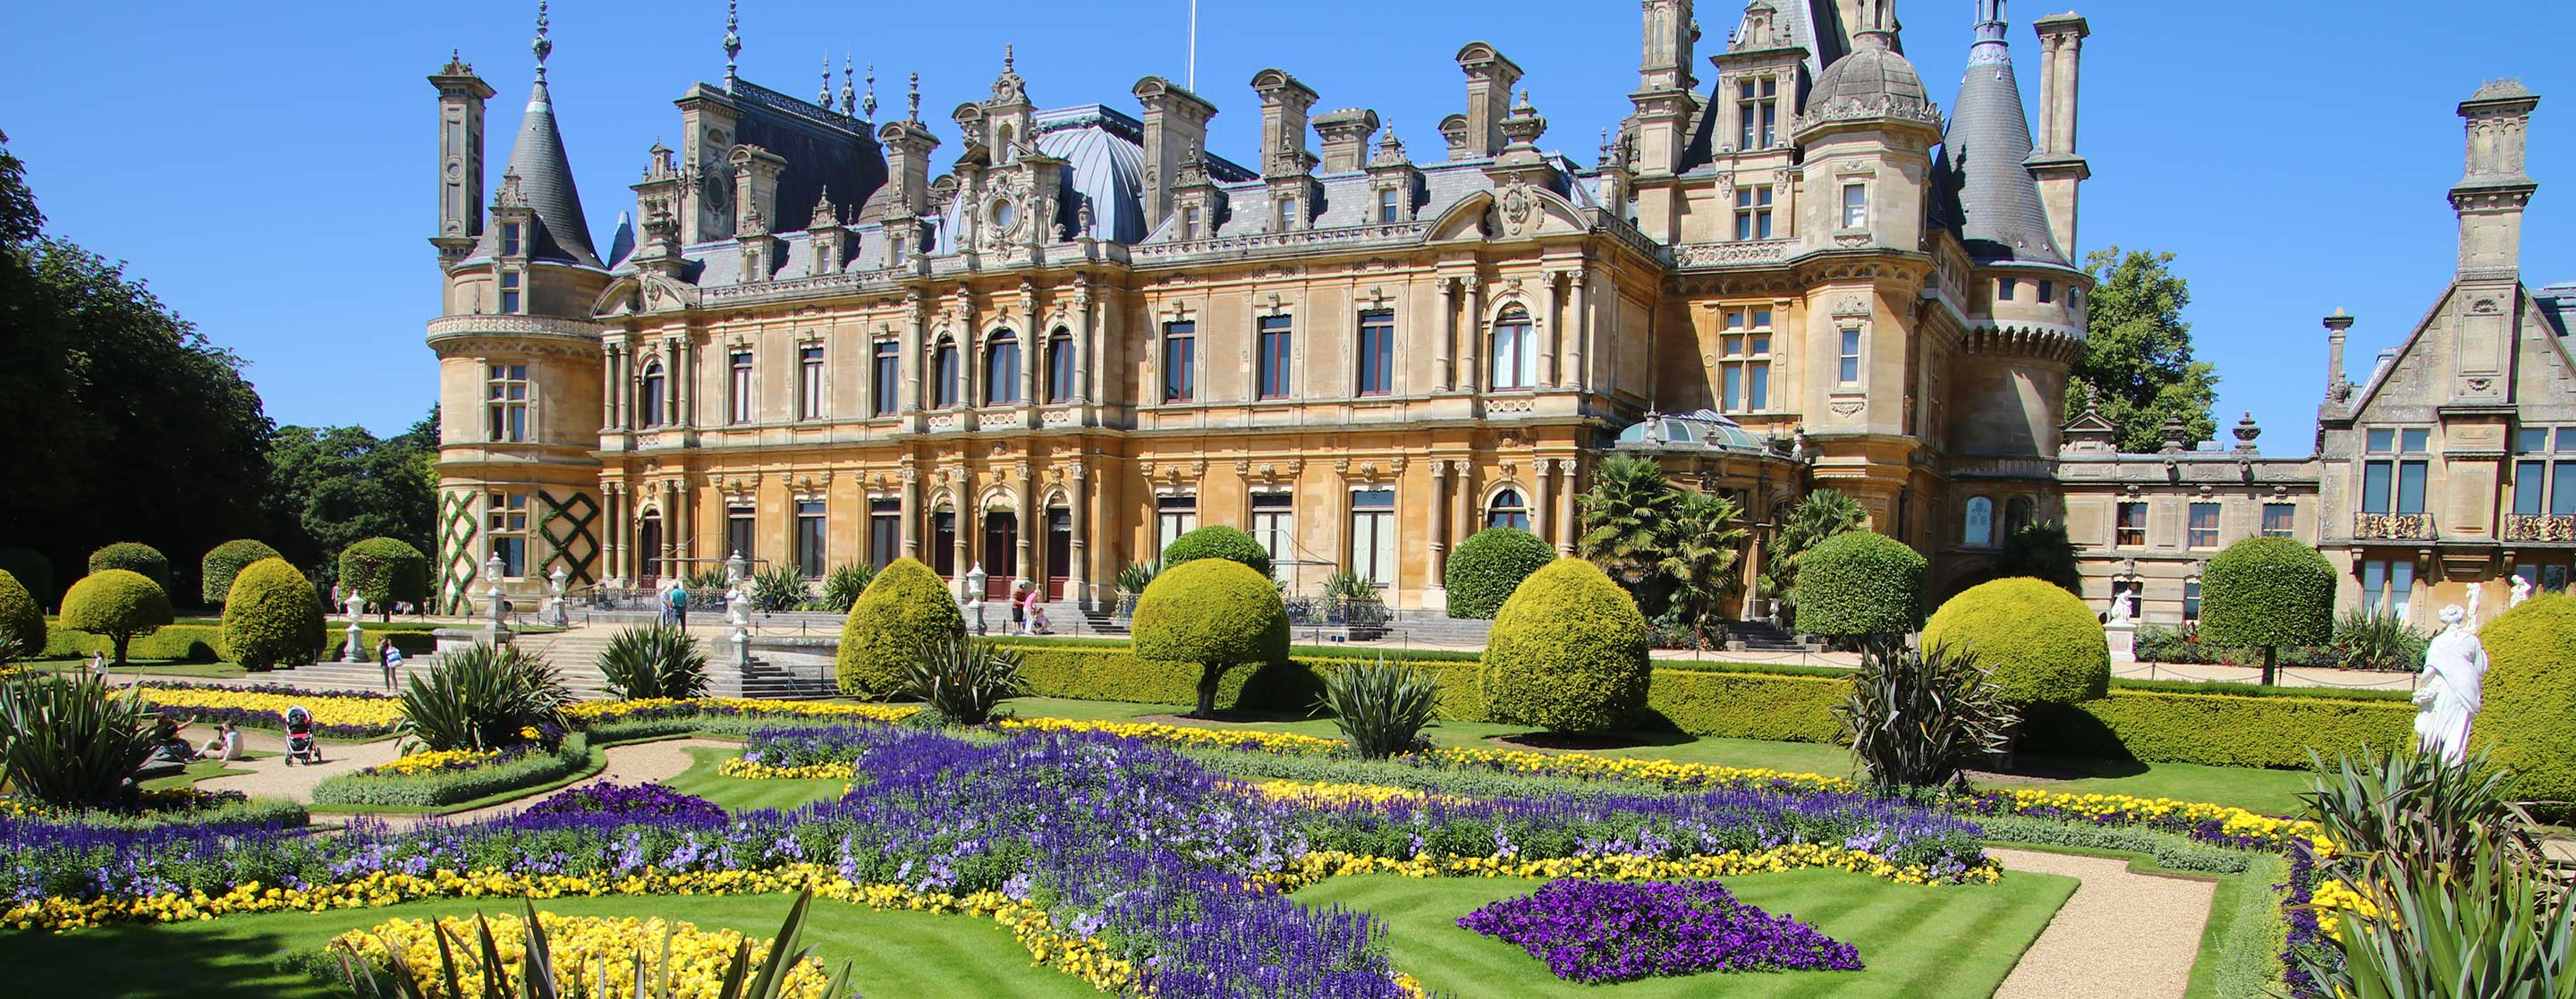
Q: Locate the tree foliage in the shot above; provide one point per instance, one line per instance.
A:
(1701, 545)
(1822, 514)
(2137, 367)
(117, 604)
(2042, 551)
(1672, 548)
(1215, 612)
(1861, 583)
(330, 487)
(1624, 515)
(1567, 653)
(272, 617)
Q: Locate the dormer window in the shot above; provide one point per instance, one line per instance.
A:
(1753, 212)
(509, 239)
(1190, 222)
(510, 292)
(1390, 206)
(894, 252)
(1757, 112)
(1288, 212)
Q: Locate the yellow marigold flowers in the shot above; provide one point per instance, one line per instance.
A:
(2230, 820)
(1329, 793)
(328, 710)
(748, 770)
(1181, 735)
(1668, 773)
(589, 947)
(2333, 897)
(435, 760)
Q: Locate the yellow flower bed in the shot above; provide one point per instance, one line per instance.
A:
(1664, 772)
(2334, 896)
(1315, 867)
(1181, 735)
(366, 712)
(2233, 821)
(585, 714)
(434, 760)
(1329, 793)
(748, 770)
(588, 948)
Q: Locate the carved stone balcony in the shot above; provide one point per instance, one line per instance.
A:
(2539, 527)
(2393, 527)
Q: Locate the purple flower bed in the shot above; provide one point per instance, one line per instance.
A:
(1615, 931)
(807, 745)
(641, 802)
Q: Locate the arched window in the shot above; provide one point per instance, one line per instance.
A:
(1515, 350)
(1059, 379)
(1002, 369)
(1508, 509)
(1980, 529)
(651, 397)
(2016, 516)
(943, 366)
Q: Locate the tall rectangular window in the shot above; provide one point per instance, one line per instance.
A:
(1744, 361)
(1274, 524)
(2204, 526)
(2401, 587)
(2191, 600)
(1855, 206)
(1190, 223)
(1180, 350)
(1377, 352)
(1753, 212)
(2047, 292)
(809, 538)
(2280, 520)
(943, 374)
(738, 397)
(505, 528)
(1174, 516)
(809, 383)
(2132, 526)
(888, 375)
(2005, 289)
(2394, 471)
(1757, 112)
(510, 292)
(505, 393)
(1847, 358)
(1288, 216)
(509, 239)
(739, 524)
(1059, 361)
(943, 543)
(1390, 206)
(1275, 348)
(2374, 586)
(885, 530)
(1373, 535)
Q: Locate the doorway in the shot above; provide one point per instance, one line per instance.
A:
(1059, 550)
(648, 537)
(1001, 552)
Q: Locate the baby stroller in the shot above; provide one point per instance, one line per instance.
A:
(300, 744)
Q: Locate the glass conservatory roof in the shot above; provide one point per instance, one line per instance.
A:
(1705, 428)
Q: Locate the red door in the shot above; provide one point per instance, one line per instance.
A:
(1059, 551)
(1001, 553)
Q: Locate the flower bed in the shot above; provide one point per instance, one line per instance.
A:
(1612, 931)
(263, 706)
(599, 951)
(432, 780)
(641, 802)
(167, 807)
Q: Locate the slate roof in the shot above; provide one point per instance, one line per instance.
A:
(2557, 304)
(1984, 190)
(545, 179)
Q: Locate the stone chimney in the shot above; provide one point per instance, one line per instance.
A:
(1175, 125)
(1490, 79)
(2053, 161)
(1284, 103)
(1346, 138)
(1453, 133)
(755, 188)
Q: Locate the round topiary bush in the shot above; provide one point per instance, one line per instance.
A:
(133, 557)
(1568, 652)
(2530, 695)
(216, 571)
(906, 607)
(1215, 612)
(2267, 593)
(1489, 565)
(1860, 583)
(1217, 541)
(117, 604)
(2042, 643)
(33, 571)
(21, 621)
(272, 617)
(384, 570)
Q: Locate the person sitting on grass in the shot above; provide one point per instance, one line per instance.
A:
(226, 746)
(167, 746)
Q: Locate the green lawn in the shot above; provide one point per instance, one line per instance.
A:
(152, 668)
(735, 794)
(1918, 942)
(894, 953)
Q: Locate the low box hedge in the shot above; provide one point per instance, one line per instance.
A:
(433, 790)
(204, 643)
(2226, 730)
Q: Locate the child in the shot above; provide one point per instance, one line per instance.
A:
(391, 658)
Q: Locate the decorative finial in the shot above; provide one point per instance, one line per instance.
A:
(1007, 57)
(868, 104)
(543, 46)
(732, 40)
(915, 98)
(1525, 101)
(823, 97)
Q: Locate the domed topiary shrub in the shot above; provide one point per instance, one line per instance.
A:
(272, 617)
(1860, 583)
(133, 557)
(117, 604)
(216, 571)
(2042, 644)
(1568, 652)
(2530, 695)
(33, 571)
(904, 609)
(384, 570)
(21, 621)
(2267, 593)
(1217, 541)
(1214, 612)
(1489, 565)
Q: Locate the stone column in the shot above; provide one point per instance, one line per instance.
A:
(1471, 336)
(671, 521)
(1542, 515)
(670, 414)
(1083, 348)
(1463, 492)
(1032, 356)
(1555, 359)
(1569, 526)
(962, 549)
(608, 383)
(1075, 587)
(910, 530)
(915, 322)
(1580, 337)
(1028, 514)
(1442, 372)
(613, 534)
(1439, 523)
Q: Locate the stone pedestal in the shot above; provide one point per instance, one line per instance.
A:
(2123, 636)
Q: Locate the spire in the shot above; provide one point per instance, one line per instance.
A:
(543, 46)
(823, 97)
(1876, 25)
(915, 98)
(540, 173)
(732, 41)
(868, 104)
(1998, 209)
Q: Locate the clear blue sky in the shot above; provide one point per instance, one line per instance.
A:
(270, 167)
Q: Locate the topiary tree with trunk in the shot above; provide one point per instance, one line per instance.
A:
(272, 616)
(2268, 593)
(1860, 584)
(135, 557)
(215, 572)
(384, 570)
(117, 604)
(904, 610)
(1568, 652)
(1214, 612)
(1489, 565)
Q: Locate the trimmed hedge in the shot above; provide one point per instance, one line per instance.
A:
(272, 617)
(20, 621)
(2217, 729)
(215, 572)
(33, 571)
(433, 790)
(116, 604)
(1568, 652)
(385, 571)
(2531, 699)
(135, 557)
(1748, 705)
(1217, 541)
(1860, 583)
(2268, 593)
(904, 608)
(2043, 645)
(204, 643)
(1489, 565)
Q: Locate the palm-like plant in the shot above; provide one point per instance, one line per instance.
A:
(69, 740)
(1916, 721)
(1700, 545)
(654, 660)
(1381, 707)
(2420, 807)
(963, 681)
(1347, 586)
(540, 979)
(843, 586)
(1822, 514)
(779, 588)
(2373, 640)
(1135, 576)
(485, 697)
(1624, 516)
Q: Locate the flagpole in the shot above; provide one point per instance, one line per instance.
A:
(1194, 46)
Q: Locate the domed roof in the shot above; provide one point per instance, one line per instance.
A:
(1706, 428)
(1873, 75)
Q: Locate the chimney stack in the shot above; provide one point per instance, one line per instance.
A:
(2491, 197)
(2053, 161)
(1175, 125)
(1346, 138)
(1490, 79)
(1284, 103)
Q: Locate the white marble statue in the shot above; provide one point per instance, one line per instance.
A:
(2120, 611)
(2451, 689)
(2521, 592)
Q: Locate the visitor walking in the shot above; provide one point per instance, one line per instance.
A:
(1019, 608)
(98, 665)
(680, 604)
(391, 658)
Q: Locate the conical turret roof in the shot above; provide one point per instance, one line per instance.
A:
(1994, 200)
(545, 179)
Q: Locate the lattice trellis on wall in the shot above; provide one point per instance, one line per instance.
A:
(457, 567)
(570, 527)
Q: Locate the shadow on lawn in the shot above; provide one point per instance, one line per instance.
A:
(142, 962)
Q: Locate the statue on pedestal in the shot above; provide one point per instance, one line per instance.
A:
(2452, 687)
(2521, 592)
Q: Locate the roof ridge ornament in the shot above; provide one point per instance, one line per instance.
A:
(543, 46)
(914, 98)
(732, 42)
(868, 104)
(823, 97)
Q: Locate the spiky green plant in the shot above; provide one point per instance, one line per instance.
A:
(1135, 576)
(69, 740)
(705, 585)
(2375, 640)
(484, 697)
(1381, 707)
(2420, 806)
(2490, 925)
(1915, 721)
(1349, 586)
(1699, 548)
(539, 978)
(1625, 514)
(963, 681)
(779, 588)
(654, 660)
(843, 586)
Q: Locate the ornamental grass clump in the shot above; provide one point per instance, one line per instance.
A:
(654, 661)
(1916, 721)
(1617, 931)
(961, 681)
(486, 697)
(1381, 707)
(70, 741)
(843, 586)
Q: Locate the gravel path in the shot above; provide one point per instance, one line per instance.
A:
(270, 777)
(2123, 935)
